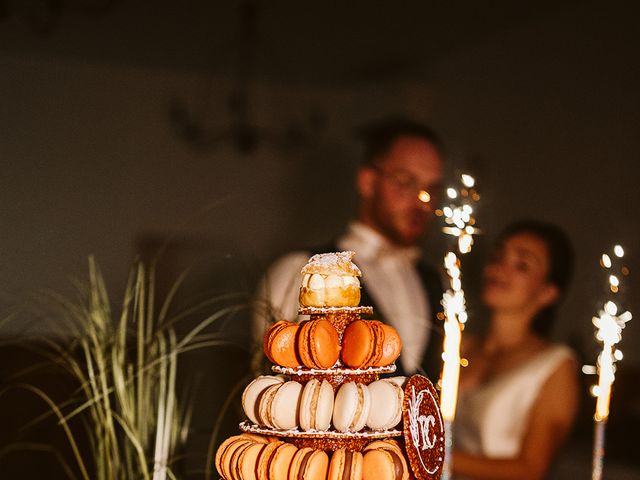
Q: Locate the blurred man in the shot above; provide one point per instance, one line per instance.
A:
(399, 185)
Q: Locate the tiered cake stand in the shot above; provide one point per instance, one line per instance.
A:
(331, 440)
(421, 432)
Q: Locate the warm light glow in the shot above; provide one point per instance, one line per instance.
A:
(467, 180)
(459, 219)
(465, 241)
(455, 231)
(589, 369)
(609, 331)
(451, 368)
(453, 302)
(424, 196)
(625, 317)
(607, 376)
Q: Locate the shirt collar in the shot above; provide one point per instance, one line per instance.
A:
(369, 244)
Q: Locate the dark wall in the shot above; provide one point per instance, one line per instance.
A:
(540, 104)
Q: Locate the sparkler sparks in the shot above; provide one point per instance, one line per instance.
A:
(609, 325)
(460, 224)
(459, 216)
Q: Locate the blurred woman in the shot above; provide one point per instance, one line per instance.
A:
(519, 394)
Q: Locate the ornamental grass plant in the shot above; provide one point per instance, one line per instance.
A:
(125, 363)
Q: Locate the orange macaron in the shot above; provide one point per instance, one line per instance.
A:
(264, 460)
(370, 343)
(227, 455)
(361, 345)
(279, 344)
(318, 344)
(391, 346)
(383, 460)
(345, 465)
(309, 464)
(281, 461)
(247, 468)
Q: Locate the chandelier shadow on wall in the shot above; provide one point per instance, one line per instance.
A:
(242, 133)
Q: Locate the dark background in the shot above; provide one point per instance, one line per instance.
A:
(226, 129)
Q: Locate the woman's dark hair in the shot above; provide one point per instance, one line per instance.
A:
(561, 262)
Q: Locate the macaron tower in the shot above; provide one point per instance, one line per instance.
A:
(327, 413)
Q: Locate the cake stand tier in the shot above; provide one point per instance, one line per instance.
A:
(339, 317)
(335, 376)
(329, 441)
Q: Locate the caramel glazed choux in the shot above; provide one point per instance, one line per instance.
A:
(330, 280)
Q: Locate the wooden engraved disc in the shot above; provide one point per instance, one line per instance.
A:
(423, 428)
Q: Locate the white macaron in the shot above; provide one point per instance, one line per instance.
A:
(282, 405)
(386, 405)
(252, 394)
(398, 380)
(351, 407)
(316, 406)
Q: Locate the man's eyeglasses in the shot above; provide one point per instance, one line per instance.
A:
(408, 184)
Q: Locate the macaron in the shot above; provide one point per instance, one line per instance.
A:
(309, 464)
(227, 455)
(384, 461)
(220, 454)
(264, 459)
(279, 344)
(253, 393)
(378, 332)
(281, 461)
(351, 407)
(386, 405)
(316, 406)
(264, 406)
(398, 380)
(362, 344)
(388, 443)
(247, 468)
(345, 465)
(280, 404)
(391, 346)
(318, 344)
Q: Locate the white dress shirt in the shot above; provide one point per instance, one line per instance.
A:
(391, 279)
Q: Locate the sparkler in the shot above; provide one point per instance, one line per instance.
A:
(609, 324)
(458, 216)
